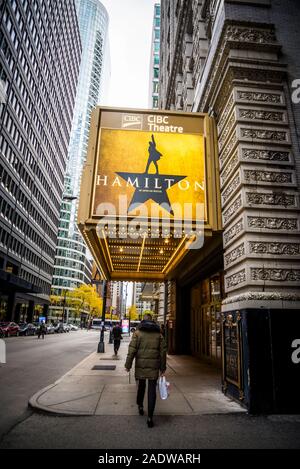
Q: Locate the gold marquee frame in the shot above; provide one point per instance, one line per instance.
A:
(144, 259)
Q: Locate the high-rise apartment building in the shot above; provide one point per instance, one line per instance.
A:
(154, 60)
(73, 264)
(40, 53)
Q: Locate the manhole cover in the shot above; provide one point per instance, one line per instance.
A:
(104, 367)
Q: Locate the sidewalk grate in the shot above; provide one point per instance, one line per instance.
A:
(104, 367)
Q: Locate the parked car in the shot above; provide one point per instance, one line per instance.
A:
(50, 328)
(27, 328)
(66, 327)
(58, 328)
(9, 328)
(73, 327)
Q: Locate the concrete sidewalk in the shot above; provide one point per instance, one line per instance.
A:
(84, 390)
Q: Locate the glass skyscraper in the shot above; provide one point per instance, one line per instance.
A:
(154, 60)
(72, 261)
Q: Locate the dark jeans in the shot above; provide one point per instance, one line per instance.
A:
(117, 344)
(151, 395)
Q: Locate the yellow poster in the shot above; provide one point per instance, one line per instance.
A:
(150, 170)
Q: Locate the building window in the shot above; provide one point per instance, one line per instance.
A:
(155, 87)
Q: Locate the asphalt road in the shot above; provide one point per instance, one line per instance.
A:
(32, 364)
(229, 431)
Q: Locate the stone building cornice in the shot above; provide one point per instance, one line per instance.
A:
(235, 35)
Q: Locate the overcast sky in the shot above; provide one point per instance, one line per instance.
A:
(130, 33)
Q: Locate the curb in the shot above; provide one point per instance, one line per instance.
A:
(33, 401)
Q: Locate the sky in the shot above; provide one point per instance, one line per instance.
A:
(130, 33)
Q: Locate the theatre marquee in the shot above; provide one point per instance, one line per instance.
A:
(149, 190)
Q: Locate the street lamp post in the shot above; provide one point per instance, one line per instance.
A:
(64, 306)
(101, 348)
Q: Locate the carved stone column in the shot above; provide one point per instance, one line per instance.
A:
(171, 315)
(245, 88)
(259, 197)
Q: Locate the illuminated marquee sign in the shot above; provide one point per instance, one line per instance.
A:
(149, 163)
(149, 190)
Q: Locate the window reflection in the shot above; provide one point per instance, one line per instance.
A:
(206, 299)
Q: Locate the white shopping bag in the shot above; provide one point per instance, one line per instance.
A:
(163, 386)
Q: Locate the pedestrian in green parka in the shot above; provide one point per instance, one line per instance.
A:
(148, 348)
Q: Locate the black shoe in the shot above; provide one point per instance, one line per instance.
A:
(141, 410)
(150, 422)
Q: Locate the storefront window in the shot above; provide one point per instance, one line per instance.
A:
(206, 299)
(215, 288)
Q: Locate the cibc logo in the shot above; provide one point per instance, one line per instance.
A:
(132, 121)
(296, 352)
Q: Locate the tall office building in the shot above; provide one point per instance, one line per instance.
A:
(154, 60)
(39, 64)
(116, 297)
(141, 305)
(73, 264)
(153, 294)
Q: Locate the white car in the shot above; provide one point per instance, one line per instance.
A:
(73, 327)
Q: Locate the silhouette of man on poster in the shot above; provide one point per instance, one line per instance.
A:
(154, 156)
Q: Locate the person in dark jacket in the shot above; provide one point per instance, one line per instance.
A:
(117, 337)
(148, 348)
(42, 330)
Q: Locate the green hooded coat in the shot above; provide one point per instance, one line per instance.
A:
(148, 347)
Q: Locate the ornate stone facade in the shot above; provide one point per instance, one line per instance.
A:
(265, 155)
(239, 78)
(274, 224)
(236, 60)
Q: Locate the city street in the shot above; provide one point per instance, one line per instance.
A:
(32, 364)
(149, 227)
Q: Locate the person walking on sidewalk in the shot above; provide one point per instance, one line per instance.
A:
(148, 348)
(117, 337)
(42, 330)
